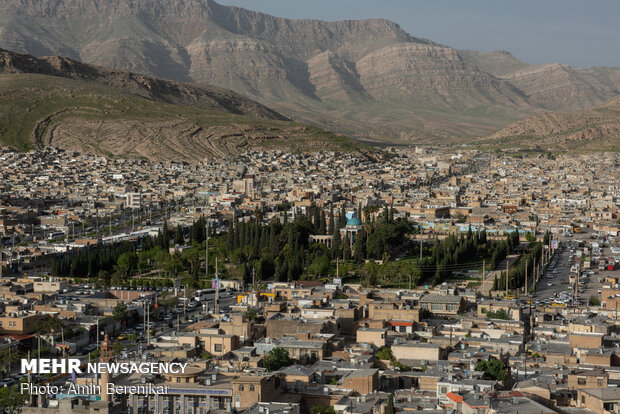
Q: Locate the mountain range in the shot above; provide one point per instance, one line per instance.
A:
(368, 79)
(64, 103)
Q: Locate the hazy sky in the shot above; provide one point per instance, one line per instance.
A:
(575, 32)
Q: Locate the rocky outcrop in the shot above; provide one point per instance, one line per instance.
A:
(594, 129)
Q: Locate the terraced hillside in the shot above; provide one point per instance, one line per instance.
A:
(39, 110)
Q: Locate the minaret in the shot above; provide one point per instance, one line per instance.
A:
(106, 357)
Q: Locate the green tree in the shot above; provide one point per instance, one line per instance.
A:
(127, 262)
(319, 409)
(120, 312)
(47, 325)
(384, 353)
(178, 236)
(8, 357)
(594, 301)
(494, 369)
(251, 314)
(499, 314)
(276, 359)
(389, 408)
(12, 399)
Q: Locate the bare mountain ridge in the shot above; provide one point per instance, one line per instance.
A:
(551, 86)
(363, 78)
(596, 129)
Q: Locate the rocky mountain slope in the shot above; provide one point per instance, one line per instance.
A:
(596, 129)
(63, 103)
(368, 79)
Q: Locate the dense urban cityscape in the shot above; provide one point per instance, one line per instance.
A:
(309, 207)
(420, 279)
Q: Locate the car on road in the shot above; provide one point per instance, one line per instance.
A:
(7, 382)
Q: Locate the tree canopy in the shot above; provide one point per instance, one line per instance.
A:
(494, 369)
(276, 359)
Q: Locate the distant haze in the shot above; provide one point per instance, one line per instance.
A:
(574, 32)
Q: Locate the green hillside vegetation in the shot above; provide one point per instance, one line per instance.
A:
(40, 110)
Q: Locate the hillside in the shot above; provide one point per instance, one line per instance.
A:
(597, 129)
(368, 79)
(199, 96)
(121, 114)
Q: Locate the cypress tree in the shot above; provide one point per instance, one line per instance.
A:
(342, 221)
(322, 223)
(346, 248)
(316, 220)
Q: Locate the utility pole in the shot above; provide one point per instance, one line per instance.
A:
(148, 322)
(207, 252)
(484, 274)
(421, 243)
(217, 290)
(337, 273)
(526, 290)
(96, 339)
(506, 275)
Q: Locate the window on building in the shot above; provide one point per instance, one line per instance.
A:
(252, 387)
(240, 387)
(581, 381)
(217, 347)
(437, 306)
(600, 382)
(609, 406)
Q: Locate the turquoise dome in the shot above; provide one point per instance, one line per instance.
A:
(354, 222)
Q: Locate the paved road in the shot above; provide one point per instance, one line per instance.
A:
(555, 280)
